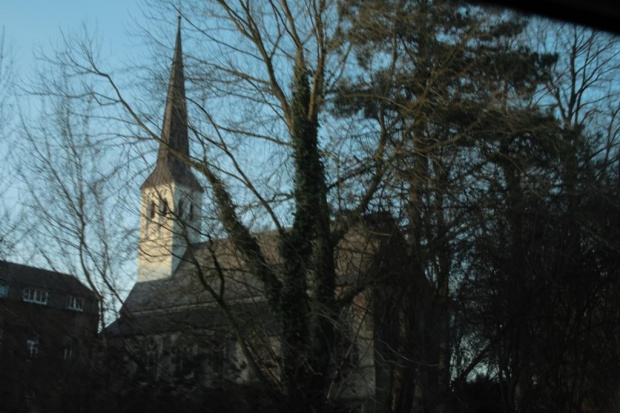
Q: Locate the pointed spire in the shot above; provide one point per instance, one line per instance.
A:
(174, 129)
(174, 133)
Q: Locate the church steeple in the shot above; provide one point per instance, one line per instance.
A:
(174, 145)
(171, 195)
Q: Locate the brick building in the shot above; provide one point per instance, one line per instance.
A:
(48, 325)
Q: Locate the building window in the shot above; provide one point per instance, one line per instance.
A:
(191, 212)
(152, 360)
(30, 397)
(163, 208)
(180, 209)
(4, 290)
(75, 303)
(32, 347)
(32, 295)
(152, 209)
(67, 349)
(182, 360)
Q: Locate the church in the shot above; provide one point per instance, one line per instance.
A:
(180, 327)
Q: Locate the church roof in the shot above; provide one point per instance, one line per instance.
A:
(210, 318)
(183, 301)
(184, 288)
(171, 168)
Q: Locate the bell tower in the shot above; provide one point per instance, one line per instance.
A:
(171, 195)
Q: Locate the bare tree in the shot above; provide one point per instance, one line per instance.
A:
(437, 123)
(71, 168)
(533, 274)
(9, 218)
(277, 55)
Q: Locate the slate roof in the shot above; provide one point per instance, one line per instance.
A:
(52, 281)
(184, 287)
(181, 301)
(56, 284)
(211, 318)
(174, 138)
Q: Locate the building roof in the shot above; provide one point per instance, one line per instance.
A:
(250, 315)
(184, 288)
(23, 275)
(182, 301)
(174, 136)
(56, 286)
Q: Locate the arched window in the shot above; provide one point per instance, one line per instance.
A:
(180, 360)
(151, 361)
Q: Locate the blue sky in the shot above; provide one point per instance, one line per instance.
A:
(36, 25)
(32, 24)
